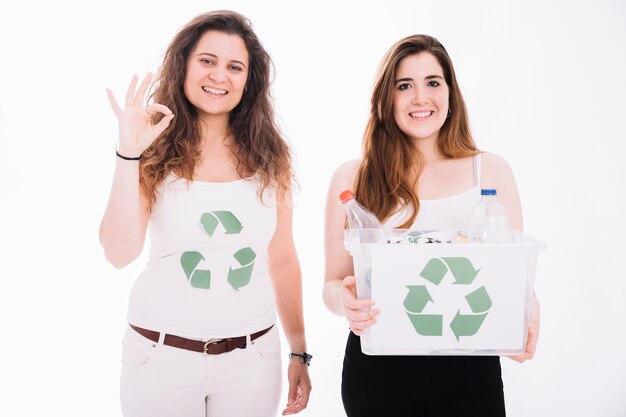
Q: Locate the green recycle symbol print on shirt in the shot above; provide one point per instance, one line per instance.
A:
(418, 297)
(237, 277)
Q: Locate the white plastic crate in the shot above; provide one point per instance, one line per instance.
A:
(445, 298)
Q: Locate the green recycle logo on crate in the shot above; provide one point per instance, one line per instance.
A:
(418, 297)
(237, 277)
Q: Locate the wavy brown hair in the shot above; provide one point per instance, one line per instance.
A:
(259, 147)
(387, 175)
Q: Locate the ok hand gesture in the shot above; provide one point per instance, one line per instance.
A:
(135, 121)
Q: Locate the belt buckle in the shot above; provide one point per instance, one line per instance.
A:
(210, 342)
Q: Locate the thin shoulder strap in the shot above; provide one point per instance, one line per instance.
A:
(477, 169)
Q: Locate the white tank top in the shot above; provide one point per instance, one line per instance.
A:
(449, 213)
(207, 272)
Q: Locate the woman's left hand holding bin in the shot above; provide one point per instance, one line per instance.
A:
(533, 332)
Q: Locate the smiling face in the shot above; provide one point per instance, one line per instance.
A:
(217, 70)
(420, 98)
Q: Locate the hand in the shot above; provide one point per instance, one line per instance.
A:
(533, 332)
(358, 319)
(299, 387)
(135, 121)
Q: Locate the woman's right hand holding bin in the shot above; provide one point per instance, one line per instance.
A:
(359, 313)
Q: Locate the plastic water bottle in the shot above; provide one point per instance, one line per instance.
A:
(489, 221)
(361, 218)
(364, 228)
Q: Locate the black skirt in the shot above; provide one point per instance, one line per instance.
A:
(420, 386)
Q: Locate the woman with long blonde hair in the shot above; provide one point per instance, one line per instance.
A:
(204, 168)
(420, 169)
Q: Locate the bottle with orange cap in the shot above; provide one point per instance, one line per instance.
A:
(361, 218)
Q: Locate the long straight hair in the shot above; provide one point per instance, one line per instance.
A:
(259, 147)
(390, 167)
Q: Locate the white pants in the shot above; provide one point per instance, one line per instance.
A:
(164, 381)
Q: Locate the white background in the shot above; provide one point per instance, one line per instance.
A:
(544, 83)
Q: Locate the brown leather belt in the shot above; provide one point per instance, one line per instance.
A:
(210, 347)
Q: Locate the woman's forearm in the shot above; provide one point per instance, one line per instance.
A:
(288, 289)
(122, 230)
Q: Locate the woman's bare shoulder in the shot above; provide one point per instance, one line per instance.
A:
(494, 165)
(345, 173)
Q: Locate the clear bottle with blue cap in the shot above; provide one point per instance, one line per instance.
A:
(489, 221)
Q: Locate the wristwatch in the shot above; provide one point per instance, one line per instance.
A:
(304, 357)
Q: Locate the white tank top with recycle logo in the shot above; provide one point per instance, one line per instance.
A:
(207, 272)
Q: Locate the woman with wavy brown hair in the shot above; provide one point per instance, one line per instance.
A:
(203, 164)
(420, 169)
